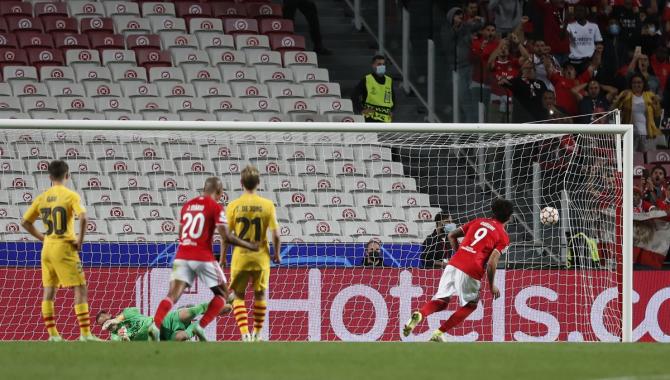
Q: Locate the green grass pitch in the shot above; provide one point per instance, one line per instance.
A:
(348, 361)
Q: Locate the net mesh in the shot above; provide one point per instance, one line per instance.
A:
(334, 192)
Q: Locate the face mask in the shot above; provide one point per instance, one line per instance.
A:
(449, 227)
(380, 70)
(652, 29)
(614, 29)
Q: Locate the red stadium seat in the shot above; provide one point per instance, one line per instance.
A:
(103, 41)
(60, 24)
(287, 42)
(35, 39)
(264, 10)
(658, 156)
(23, 24)
(51, 9)
(3, 25)
(8, 41)
(70, 41)
(269, 26)
(189, 10)
(39, 57)
(228, 9)
(149, 58)
(95, 25)
(18, 8)
(144, 41)
(13, 57)
(240, 26)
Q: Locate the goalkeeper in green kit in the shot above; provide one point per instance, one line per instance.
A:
(133, 326)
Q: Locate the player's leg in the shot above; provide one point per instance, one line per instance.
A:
(82, 312)
(439, 302)
(238, 283)
(49, 283)
(467, 290)
(182, 276)
(212, 276)
(260, 282)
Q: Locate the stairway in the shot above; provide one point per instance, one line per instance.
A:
(352, 52)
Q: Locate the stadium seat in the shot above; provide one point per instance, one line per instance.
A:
(249, 90)
(167, 24)
(111, 57)
(19, 74)
(156, 166)
(200, 25)
(235, 26)
(290, 232)
(658, 156)
(12, 166)
(227, 59)
(336, 153)
(23, 196)
(69, 151)
(57, 89)
(263, 58)
(81, 8)
(171, 90)
(181, 105)
(69, 104)
(93, 74)
(169, 183)
(138, 89)
(82, 58)
(347, 168)
(103, 197)
(279, 90)
(132, 25)
(31, 150)
(66, 41)
(166, 75)
(113, 104)
(298, 105)
(250, 41)
(178, 40)
(268, 74)
(206, 89)
(272, 167)
(96, 230)
(208, 40)
(159, 8)
(385, 169)
(347, 213)
(9, 213)
(283, 183)
(21, 24)
(122, 74)
(291, 152)
(309, 168)
(400, 184)
(121, 8)
(152, 59)
(119, 166)
(102, 90)
(92, 182)
(259, 151)
(37, 105)
(400, 230)
(197, 116)
(228, 9)
(261, 10)
(224, 105)
(261, 105)
(194, 60)
(319, 90)
(354, 185)
(197, 73)
(177, 197)
(96, 26)
(143, 41)
(321, 228)
(39, 57)
(8, 40)
(330, 105)
(309, 74)
(108, 150)
(29, 89)
(35, 39)
(167, 228)
(12, 57)
(373, 199)
(411, 200)
(360, 229)
(386, 214)
(421, 214)
(296, 199)
(105, 41)
(222, 151)
(142, 197)
(17, 8)
(43, 9)
(121, 115)
(281, 26)
(372, 153)
(243, 74)
(63, 25)
(330, 199)
(127, 227)
(192, 9)
(234, 116)
(287, 42)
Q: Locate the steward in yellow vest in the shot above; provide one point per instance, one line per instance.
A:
(373, 97)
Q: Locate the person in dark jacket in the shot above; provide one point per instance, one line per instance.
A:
(436, 247)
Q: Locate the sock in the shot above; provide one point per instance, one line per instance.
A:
(162, 310)
(458, 317)
(215, 306)
(240, 313)
(81, 310)
(48, 316)
(433, 306)
(259, 315)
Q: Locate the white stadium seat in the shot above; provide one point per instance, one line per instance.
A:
(137, 89)
(322, 90)
(360, 229)
(108, 150)
(321, 228)
(68, 151)
(309, 168)
(117, 212)
(95, 74)
(148, 212)
(296, 105)
(411, 200)
(272, 167)
(164, 182)
(13, 166)
(121, 8)
(119, 166)
(181, 105)
(300, 58)
(163, 227)
(330, 199)
(386, 214)
(166, 74)
(223, 151)
(385, 169)
(33, 150)
(279, 90)
(347, 168)
(50, 74)
(142, 197)
(283, 183)
(177, 40)
(178, 197)
(261, 105)
(304, 214)
(224, 105)
(239, 74)
(360, 184)
(296, 199)
(372, 153)
(336, 153)
(19, 181)
(290, 231)
(263, 58)
(167, 24)
(29, 89)
(399, 229)
(95, 228)
(131, 182)
(397, 184)
(153, 104)
(228, 167)
(69, 104)
(186, 167)
(102, 90)
(10, 213)
(310, 74)
(108, 104)
(250, 41)
(297, 152)
(335, 105)
(92, 182)
(215, 40)
(122, 74)
(127, 227)
(249, 90)
(206, 89)
(204, 25)
(271, 74)
(149, 167)
(103, 197)
(196, 74)
(373, 199)
(183, 151)
(347, 213)
(158, 8)
(24, 74)
(226, 58)
(170, 90)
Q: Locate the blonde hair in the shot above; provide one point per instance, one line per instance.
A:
(250, 177)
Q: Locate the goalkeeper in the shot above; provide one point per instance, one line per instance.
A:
(131, 325)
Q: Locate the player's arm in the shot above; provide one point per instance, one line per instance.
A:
(491, 272)
(453, 237)
(29, 218)
(80, 211)
(276, 242)
(233, 239)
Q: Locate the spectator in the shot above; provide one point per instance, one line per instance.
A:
(661, 67)
(640, 107)
(640, 65)
(373, 254)
(507, 14)
(595, 103)
(527, 94)
(655, 191)
(542, 52)
(631, 24)
(435, 248)
(639, 204)
(503, 67)
(374, 97)
(550, 111)
(584, 35)
(482, 46)
(650, 38)
(308, 9)
(616, 47)
(457, 36)
(563, 83)
(554, 17)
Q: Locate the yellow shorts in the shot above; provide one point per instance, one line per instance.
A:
(61, 265)
(240, 279)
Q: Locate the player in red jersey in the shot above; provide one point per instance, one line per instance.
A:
(200, 217)
(484, 241)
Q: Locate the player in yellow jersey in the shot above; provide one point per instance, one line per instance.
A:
(250, 216)
(61, 266)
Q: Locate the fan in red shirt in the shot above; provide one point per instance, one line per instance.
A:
(200, 218)
(639, 204)
(484, 241)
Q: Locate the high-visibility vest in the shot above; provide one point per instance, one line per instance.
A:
(591, 246)
(379, 99)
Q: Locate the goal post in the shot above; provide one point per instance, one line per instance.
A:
(398, 176)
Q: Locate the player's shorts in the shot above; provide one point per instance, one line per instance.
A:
(209, 272)
(172, 324)
(239, 279)
(61, 265)
(456, 282)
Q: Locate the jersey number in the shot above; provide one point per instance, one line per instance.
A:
(479, 235)
(55, 220)
(246, 223)
(193, 226)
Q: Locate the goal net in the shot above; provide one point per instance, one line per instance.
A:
(335, 191)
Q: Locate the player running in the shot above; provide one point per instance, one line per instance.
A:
(133, 326)
(250, 216)
(484, 240)
(61, 266)
(199, 218)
